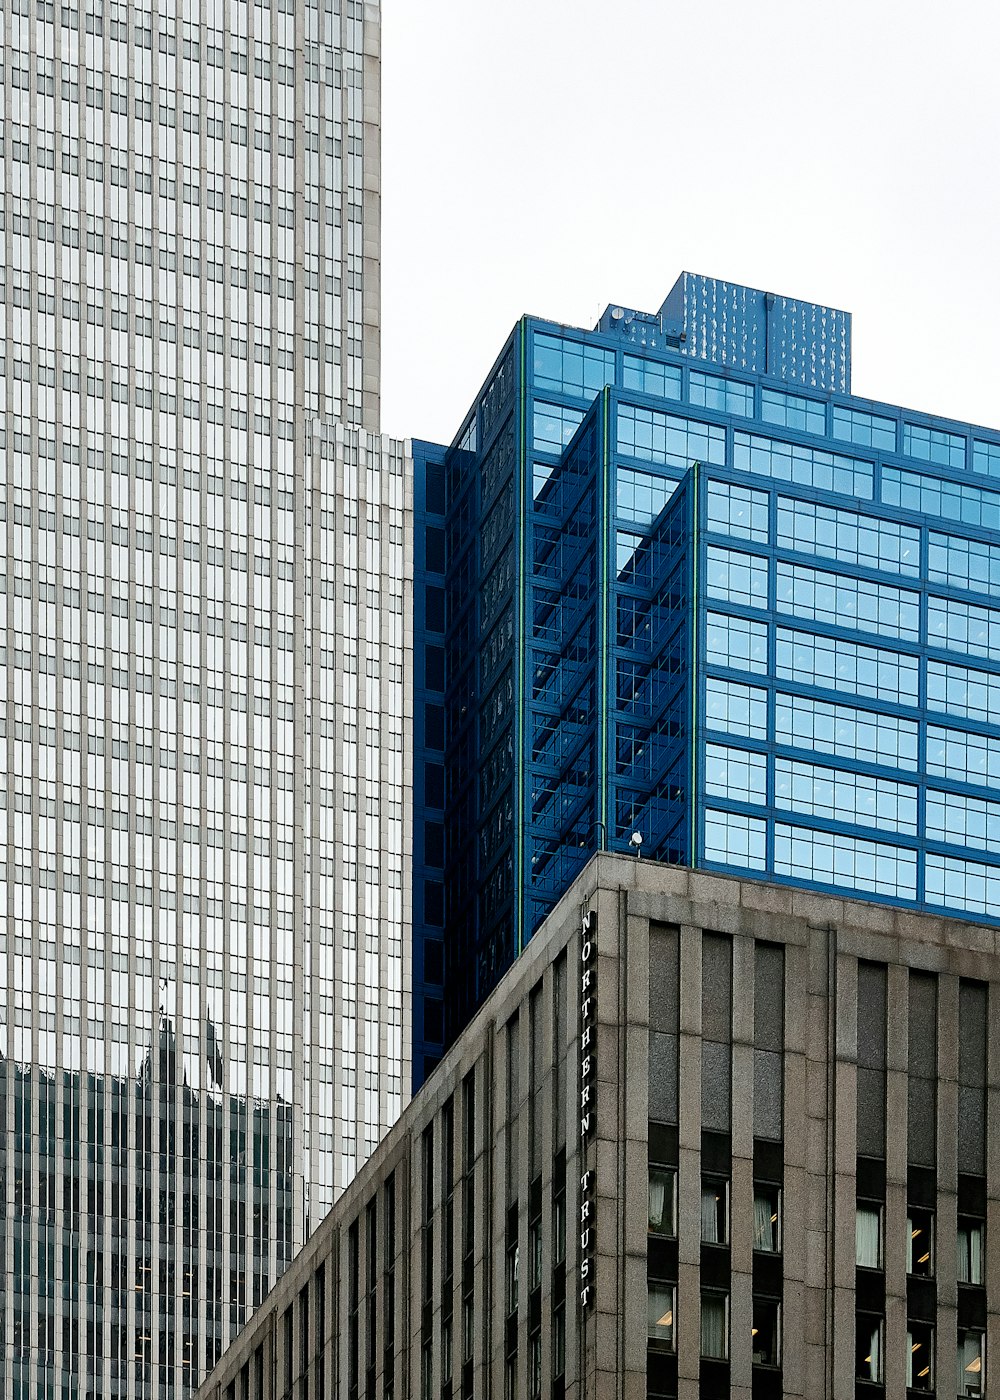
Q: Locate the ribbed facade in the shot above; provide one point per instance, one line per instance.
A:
(202, 692)
(708, 1138)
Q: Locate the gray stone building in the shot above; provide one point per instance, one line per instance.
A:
(709, 1137)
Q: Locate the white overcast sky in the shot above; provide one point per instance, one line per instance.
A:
(552, 156)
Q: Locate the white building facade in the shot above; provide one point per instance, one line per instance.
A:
(203, 675)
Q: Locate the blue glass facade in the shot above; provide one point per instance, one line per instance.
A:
(697, 590)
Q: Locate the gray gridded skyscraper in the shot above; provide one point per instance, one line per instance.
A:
(205, 578)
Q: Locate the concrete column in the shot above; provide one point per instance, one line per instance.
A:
(689, 1169)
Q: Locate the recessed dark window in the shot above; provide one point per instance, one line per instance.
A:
(434, 489)
(434, 784)
(434, 549)
(433, 1020)
(434, 609)
(434, 961)
(434, 903)
(766, 1337)
(434, 726)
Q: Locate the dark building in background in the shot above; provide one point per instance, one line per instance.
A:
(172, 1205)
(709, 1137)
(428, 757)
(697, 592)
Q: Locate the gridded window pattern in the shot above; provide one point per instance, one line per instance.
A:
(642, 495)
(962, 821)
(933, 445)
(663, 437)
(739, 511)
(835, 859)
(736, 708)
(651, 377)
(833, 664)
(724, 395)
(733, 839)
(948, 500)
(809, 528)
(845, 731)
(860, 799)
(843, 601)
(554, 426)
(864, 429)
(971, 564)
(986, 457)
(963, 627)
(793, 411)
(571, 367)
(786, 461)
(736, 577)
(737, 774)
(963, 692)
(963, 757)
(737, 642)
(962, 884)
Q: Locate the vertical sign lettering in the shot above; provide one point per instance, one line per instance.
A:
(588, 1100)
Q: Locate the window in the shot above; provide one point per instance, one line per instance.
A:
(724, 395)
(554, 426)
(571, 367)
(513, 1268)
(660, 1308)
(919, 1356)
(970, 1250)
(662, 1201)
(535, 1249)
(559, 1340)
(865, 429)
(933, 445)
(767, 1217)
(868, 1235)
(920, 1228)
(733, 839)
(714, 1210)
(793, 411)
(970, 1363)
(766, 1332)
(663, 437)
(715, 1325)
(868, 1349)
(827, 471)
(738, 510)
(651, 377)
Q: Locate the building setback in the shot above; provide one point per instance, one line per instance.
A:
(698, 592)
(710, 1136)
(205, 581)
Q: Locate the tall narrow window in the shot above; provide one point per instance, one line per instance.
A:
(868, 1235)
(920, 1228)
(920, 1356)
(660, 1306)
(767, 1217)
(971, 1376)
(970, 1250)
(715, 1325)
(714, 1210)
(662, 1201)
(766, 1332)
(869, 1364)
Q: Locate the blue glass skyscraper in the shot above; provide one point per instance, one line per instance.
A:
(698, 591)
